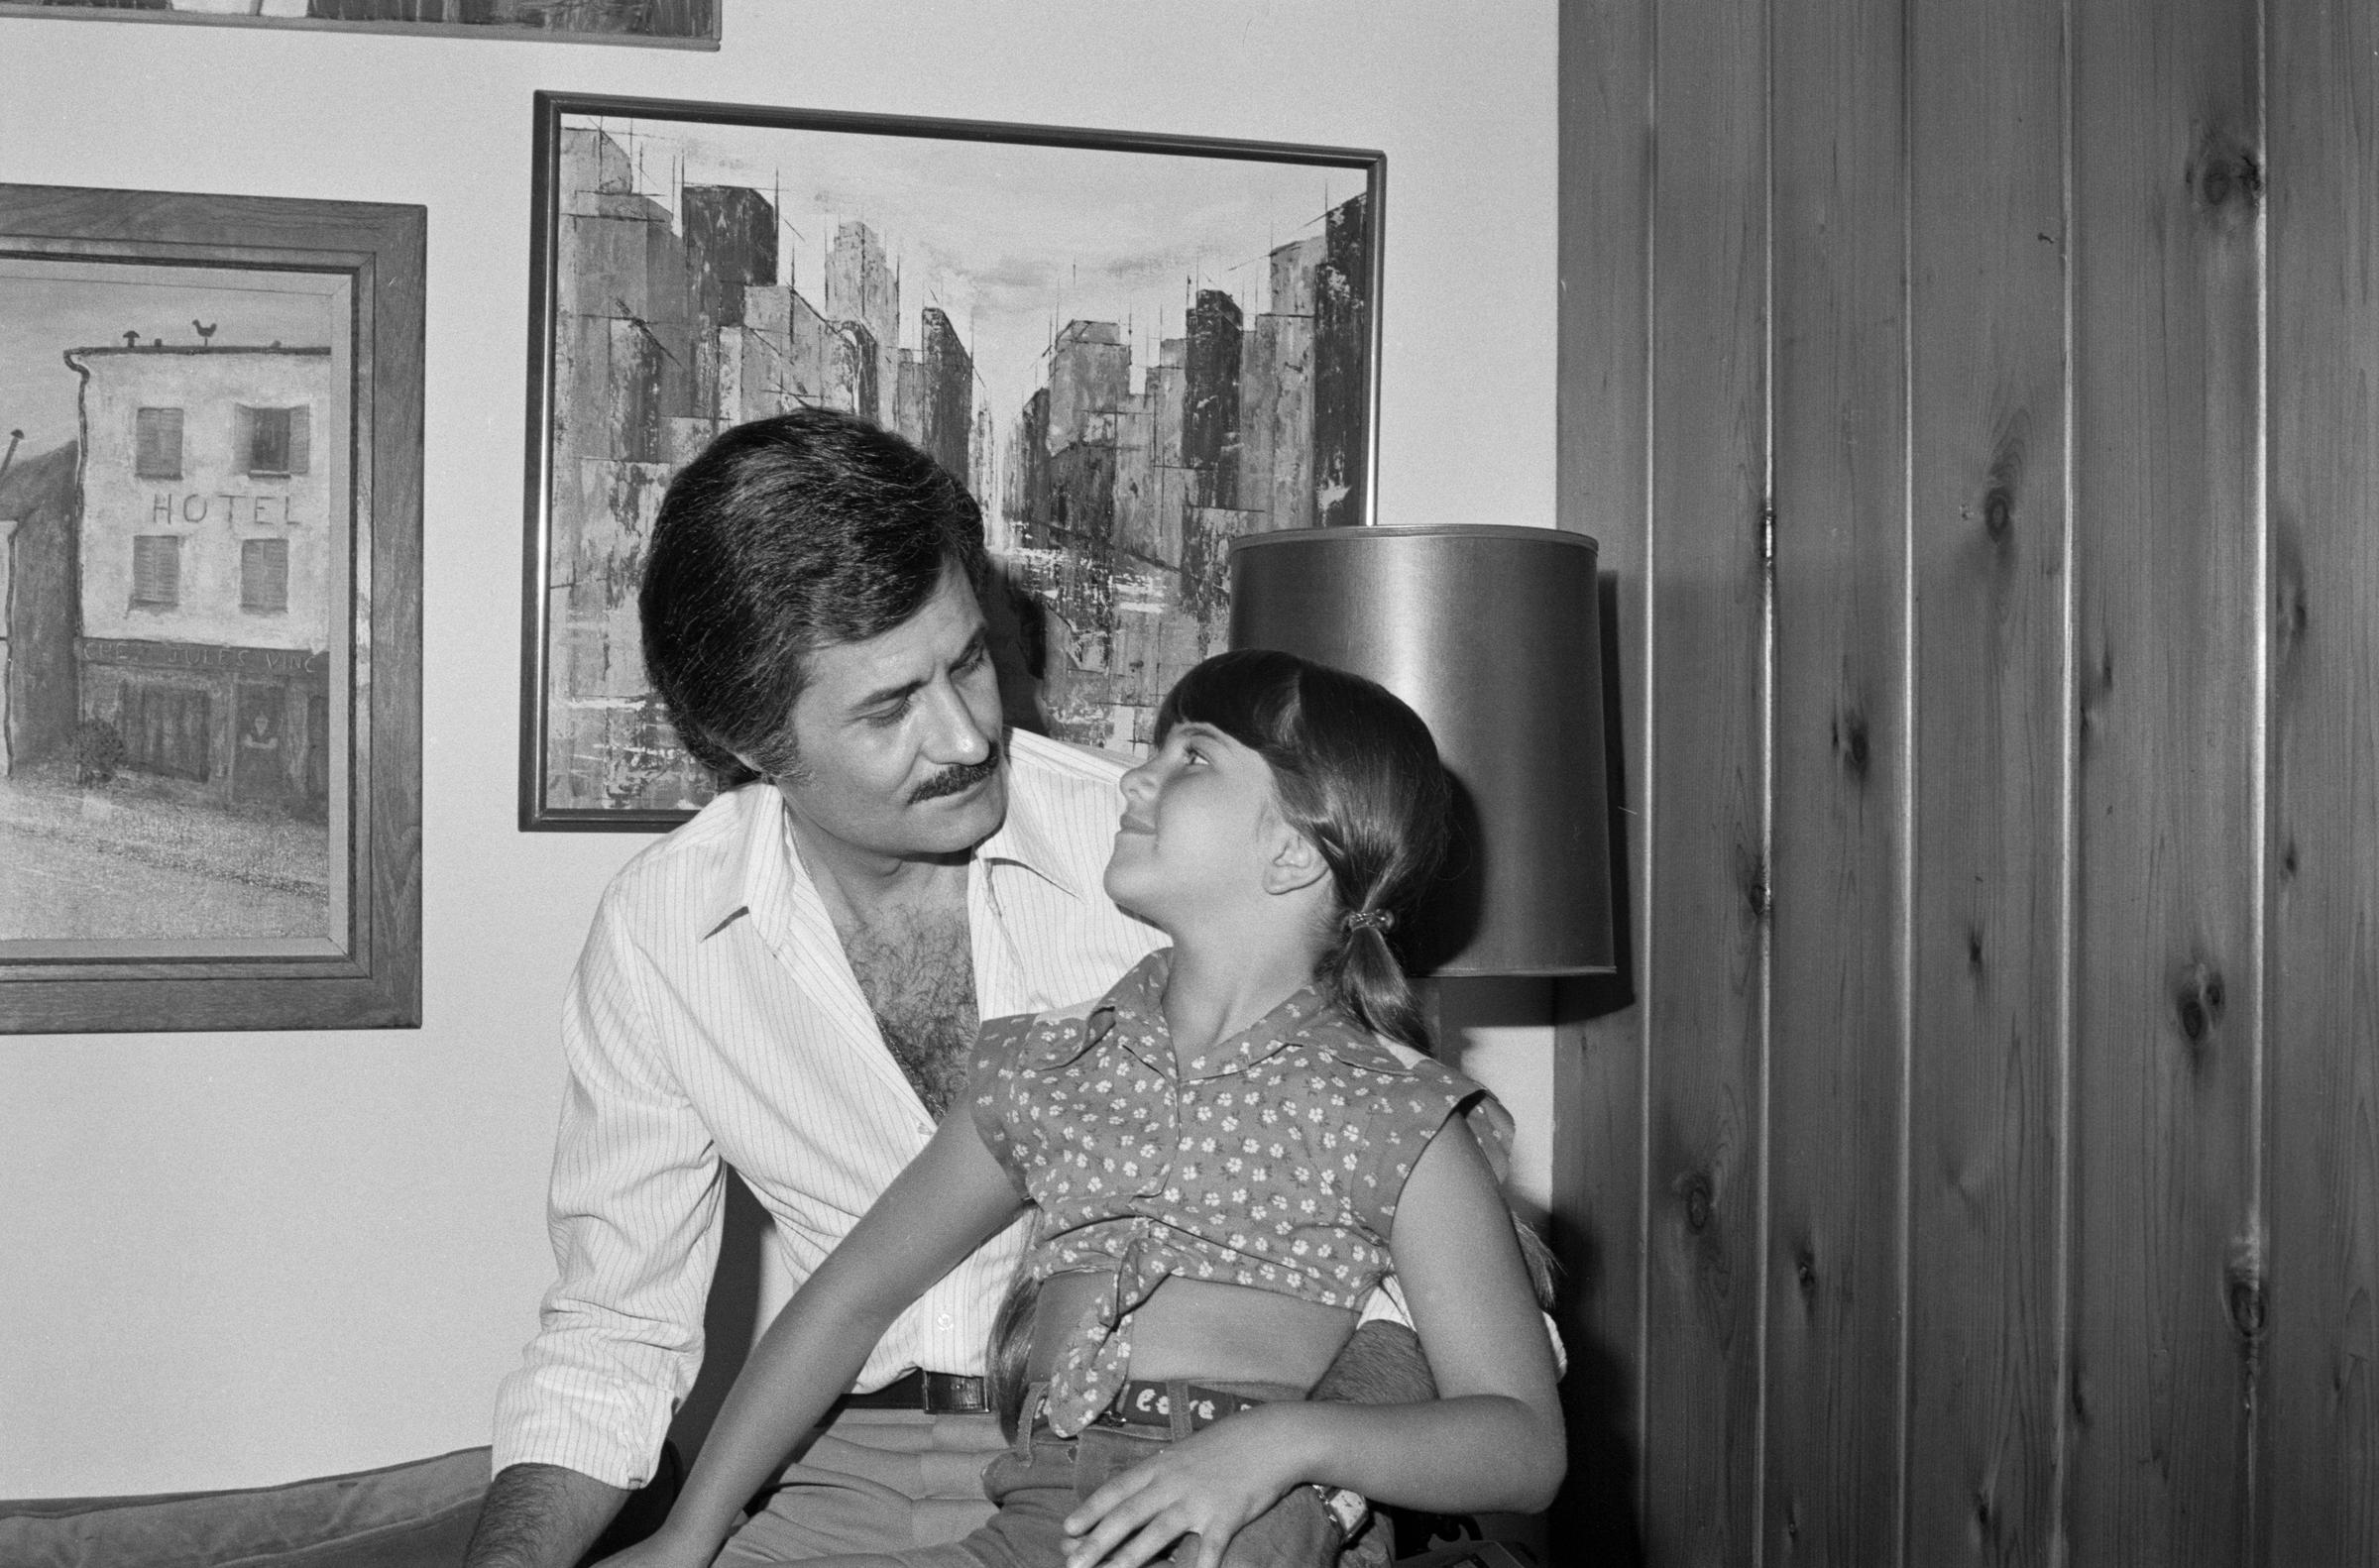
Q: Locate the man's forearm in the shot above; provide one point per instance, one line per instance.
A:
(1382, 1363)
(540, 1517)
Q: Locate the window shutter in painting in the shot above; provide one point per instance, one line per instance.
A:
(266, 448)
(264, 574)
(302, 439)
(156, 569)
(243, 439)
(157, 443)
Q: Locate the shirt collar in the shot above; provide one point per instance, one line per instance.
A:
(1132, 1015)
(765, 860)
(762, 858)
(1026, 839)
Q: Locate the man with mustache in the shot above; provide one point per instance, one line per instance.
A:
(791, 981)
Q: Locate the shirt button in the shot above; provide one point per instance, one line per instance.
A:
(943, 1322)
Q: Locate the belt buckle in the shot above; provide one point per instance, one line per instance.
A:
(1141, 1402)
(952, 1393)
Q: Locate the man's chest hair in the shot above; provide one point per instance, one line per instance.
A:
(916, 967)
(914, 964)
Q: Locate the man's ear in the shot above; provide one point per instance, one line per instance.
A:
(1295, 862)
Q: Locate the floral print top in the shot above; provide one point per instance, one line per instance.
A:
(1274, 1160)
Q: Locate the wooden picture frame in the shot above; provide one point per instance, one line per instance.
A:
(210, 612)
(1129, 346)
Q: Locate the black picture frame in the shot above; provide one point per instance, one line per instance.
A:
(364, 969)
(682, 281)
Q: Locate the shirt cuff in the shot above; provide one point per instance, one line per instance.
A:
(612, 1435)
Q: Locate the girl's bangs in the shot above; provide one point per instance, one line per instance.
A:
(1246, 694)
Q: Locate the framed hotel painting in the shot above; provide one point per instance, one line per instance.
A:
(675, 24)
(210, 597)
(1131, 347)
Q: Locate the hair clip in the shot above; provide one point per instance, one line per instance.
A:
(1369, 920)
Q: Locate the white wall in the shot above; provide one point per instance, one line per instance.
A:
(232, 1260)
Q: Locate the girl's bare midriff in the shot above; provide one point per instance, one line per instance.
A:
(1197, 1328)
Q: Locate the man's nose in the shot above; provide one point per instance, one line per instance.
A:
(953, 737)
(1137, 785)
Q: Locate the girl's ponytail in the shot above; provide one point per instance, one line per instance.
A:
(1367, 980)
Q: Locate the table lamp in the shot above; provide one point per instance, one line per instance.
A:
(1493, 635)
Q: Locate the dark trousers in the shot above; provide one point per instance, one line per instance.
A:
(1042, 1477)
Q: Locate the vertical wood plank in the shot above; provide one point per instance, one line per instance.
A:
(1600, 1042)
(1989, 919)
(2318, 1427)
(2168, 206)
(1834, 1271)
(1706, 784)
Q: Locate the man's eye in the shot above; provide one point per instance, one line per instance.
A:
(976, 657)
(1193, 754)
(886, 718)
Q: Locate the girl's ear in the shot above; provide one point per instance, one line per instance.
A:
(1295, 862)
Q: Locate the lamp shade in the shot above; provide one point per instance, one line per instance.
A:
(1493, 635)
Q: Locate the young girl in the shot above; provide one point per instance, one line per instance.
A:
(1226, 1158)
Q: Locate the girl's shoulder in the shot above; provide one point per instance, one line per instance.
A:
(1367, 1051)
(1426, 1091)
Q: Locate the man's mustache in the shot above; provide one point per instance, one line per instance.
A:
(956, 780)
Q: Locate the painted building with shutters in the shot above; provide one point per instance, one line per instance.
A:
(209, 558)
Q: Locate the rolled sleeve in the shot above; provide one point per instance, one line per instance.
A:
(633, 1217)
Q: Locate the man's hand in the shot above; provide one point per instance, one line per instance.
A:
(1210, 1484)
(540, 1517)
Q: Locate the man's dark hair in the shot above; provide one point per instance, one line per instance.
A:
(784, 536)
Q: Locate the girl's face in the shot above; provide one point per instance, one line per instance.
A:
(1198, 828)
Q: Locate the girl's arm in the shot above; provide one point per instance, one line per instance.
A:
(1493, 1440)
(950, 1199)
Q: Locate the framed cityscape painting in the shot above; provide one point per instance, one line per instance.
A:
(1130, 347)
(678, 24)
(210, 530)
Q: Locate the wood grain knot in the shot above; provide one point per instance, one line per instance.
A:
(2289, 618)
(1804, 1270)
(1752, 872)
(2004, 484)
(2198, 999)
(1850, 741)
(1998, 514)
(2246, 1304)
(2227, 176)
(1694, 1188)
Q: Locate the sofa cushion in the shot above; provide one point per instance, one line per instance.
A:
(402, 1517)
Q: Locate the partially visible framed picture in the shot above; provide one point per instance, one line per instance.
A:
(210, 612)
(678, 24)
(1130, 347)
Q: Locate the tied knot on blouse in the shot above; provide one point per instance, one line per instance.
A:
(1272, 1159)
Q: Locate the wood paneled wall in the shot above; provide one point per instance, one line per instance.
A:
(1978, 404)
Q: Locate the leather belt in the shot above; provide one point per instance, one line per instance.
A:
(1143, 1403)
(933, 1392)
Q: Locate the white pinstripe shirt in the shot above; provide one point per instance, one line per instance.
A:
(714, 1017)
